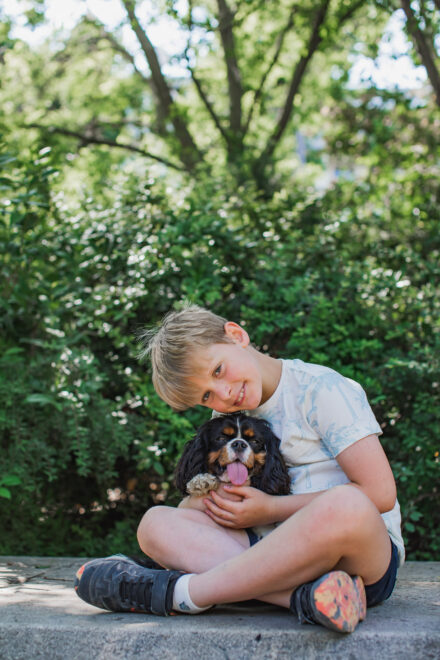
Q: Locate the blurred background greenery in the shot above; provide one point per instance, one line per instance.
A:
(230, 154)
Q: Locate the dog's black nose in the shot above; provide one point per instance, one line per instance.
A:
(239, 445)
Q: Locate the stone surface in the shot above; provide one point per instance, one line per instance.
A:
(41, 617)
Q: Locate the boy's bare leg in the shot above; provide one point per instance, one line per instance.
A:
(341, 529)
(188, 540)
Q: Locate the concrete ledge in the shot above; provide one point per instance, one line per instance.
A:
(41, 617)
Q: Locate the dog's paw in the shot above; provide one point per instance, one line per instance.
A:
(202, 484)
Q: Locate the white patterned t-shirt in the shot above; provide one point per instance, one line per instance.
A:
(317, 413)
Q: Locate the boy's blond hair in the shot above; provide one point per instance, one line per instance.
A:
(171, 346)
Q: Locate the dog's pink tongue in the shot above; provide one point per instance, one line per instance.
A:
(237, 473)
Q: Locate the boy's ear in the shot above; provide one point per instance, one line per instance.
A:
(236, 333)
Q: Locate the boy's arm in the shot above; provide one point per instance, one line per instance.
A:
(254, 507)
(364, 463)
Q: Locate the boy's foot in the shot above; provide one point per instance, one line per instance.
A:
(335, 600)
(121, 584)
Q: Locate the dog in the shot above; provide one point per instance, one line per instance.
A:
(233, 448)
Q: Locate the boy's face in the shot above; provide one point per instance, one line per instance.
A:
(228, 377)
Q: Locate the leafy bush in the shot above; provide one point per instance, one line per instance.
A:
(348, 280)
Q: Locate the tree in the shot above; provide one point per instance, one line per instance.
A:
(423, 25)
(242, 71)
(240, 60)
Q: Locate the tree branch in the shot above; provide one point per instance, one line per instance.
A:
(198, 85)
(298, 74)
(280, 40)
(118, 47)
(426, 51)
(349, 12)
(208, 104)
(189, 153)
(279, 45)
(226, 21)
(86, 138)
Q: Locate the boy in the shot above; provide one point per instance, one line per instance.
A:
(326, 540)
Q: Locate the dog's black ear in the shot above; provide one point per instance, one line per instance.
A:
(193, 459)
(274, 478)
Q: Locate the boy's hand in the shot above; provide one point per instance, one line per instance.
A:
(252, 508)
(198, 501)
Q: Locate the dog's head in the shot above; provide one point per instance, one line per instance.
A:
(236, 449)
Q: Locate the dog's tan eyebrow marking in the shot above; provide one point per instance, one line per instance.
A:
(228, 430)
(213, 456)
(260, 458)
(249, 433)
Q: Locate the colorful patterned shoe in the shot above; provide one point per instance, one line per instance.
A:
(359, 586)
(121, 584)
(335, 600)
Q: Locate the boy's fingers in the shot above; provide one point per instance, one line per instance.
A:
(222, 501)
(218, 511)
(220, 521)
(238, 490)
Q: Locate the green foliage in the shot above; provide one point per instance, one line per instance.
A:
(348, 280)
(215, 103)
(95, 245)
(8, 480)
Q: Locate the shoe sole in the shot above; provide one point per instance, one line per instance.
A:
(339, 601)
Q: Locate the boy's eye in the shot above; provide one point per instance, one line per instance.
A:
(217, 372)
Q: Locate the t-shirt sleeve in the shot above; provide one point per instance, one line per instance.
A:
(339, 412)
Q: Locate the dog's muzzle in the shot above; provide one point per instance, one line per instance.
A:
(237, 469)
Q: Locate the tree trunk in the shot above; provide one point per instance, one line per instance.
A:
(189, 153)
(298, 74)
(425, 49)
(235, 89)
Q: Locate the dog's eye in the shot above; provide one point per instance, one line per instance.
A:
(256, 442)
(228, 430)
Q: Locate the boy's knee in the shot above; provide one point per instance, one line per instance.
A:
(151, 528)
(349, 509)
(350, 498)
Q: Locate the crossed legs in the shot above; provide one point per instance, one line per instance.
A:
(341, 529)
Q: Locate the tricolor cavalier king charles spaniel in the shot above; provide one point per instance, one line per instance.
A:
(235, 449)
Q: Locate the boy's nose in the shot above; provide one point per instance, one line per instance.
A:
(224, 392)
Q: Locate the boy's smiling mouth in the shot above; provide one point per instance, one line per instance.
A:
(240, 397)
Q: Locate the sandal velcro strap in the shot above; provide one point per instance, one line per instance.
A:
(159, 592)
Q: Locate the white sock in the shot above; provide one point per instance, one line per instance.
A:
(181, 598)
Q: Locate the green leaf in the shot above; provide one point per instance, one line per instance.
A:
(4, 492)
(13, 351)
(10, 480)
(159, 468)
(6, 159)
(43, 400)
